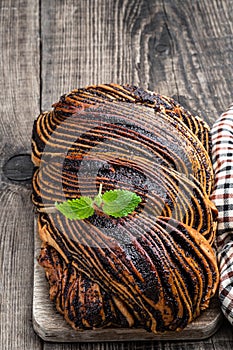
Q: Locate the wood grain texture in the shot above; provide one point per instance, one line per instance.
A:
(179, 50)
(19, 103)
(182, 51)
(16, 270)
(90, 42)
(201, 35)
(19, 168)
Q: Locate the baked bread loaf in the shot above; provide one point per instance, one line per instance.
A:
(154, 268)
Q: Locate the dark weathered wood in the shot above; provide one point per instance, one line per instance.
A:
(223, 339)
(201, 53)
(19, 103)
(178, 48)
(19, 168)
(84, 42)
(185, 51)
(198, 345)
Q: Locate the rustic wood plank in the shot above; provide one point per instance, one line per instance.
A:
(89, 42)
(201, 53)
(141, 44)
(223, 339)
(19, 168)
(183, 51)
(19, 104)
(198, 345)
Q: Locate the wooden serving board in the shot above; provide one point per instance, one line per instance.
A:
(51, 326)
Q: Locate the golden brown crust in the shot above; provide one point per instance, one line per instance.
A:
(155, 268)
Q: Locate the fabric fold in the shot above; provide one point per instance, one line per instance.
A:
(222, 156)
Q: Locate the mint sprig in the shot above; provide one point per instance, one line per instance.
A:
(119, 203)
(116, 203)
(76, 209)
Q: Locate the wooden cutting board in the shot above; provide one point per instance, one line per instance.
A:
(51, 326)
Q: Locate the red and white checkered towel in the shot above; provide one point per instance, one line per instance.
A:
(222, 155)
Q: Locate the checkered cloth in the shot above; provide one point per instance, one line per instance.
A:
(222, 154)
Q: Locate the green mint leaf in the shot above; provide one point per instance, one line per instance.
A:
(98, 199)
(116, 203)
(119, 203)
(76, 209)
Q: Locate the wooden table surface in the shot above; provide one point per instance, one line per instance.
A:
(48, 47)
